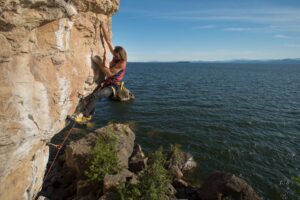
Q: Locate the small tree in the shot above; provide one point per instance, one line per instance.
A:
(153, 183)
(156, 179)
(128, 191)
(103, 158)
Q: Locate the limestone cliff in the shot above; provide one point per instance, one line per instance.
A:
(44, 68)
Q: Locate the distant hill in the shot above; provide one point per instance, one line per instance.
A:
(241, 61)
(271, 61)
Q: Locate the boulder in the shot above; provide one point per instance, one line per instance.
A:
(87, 189)
(137, 161)
(112, 181)
(137, 153)
(182, 160)
(77, 152)
(125, 141)
(222, 185)
(185, 190)
(110, 195)
(188, 162)
(179, 183)
(176, 172)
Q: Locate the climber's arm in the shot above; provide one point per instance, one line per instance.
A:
(110, 45)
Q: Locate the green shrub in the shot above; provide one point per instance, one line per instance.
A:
(129, 191)
(297, 182)
(156, 179)
(153, 183)
(103, 158)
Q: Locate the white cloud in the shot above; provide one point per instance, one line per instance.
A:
(280, 36)
(258, 15)
(266, 28)
(286, 28)
(211, 26)
(277, 18)
(240, 29)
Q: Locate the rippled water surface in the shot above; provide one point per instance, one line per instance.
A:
(241, 118)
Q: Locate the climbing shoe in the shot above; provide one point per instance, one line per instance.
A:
(81, 119)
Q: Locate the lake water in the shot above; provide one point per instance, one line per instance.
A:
(241, 118)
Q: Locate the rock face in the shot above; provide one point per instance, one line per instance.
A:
(44, 67)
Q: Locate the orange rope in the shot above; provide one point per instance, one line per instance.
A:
(59, 147)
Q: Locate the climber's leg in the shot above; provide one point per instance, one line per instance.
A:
(98, 94)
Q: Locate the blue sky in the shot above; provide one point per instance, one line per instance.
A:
(173, 30)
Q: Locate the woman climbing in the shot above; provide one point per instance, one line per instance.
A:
(114, 75)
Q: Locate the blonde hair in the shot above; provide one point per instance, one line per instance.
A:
(121, 51)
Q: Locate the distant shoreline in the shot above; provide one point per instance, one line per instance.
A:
(279, 61)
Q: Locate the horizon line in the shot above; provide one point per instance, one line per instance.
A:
(229, 60)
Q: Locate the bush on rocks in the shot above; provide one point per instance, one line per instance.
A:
(153, 183)
(103, 158)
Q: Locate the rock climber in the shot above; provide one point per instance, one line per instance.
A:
(114, 75)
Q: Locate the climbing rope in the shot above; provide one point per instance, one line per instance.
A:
(58, 147)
